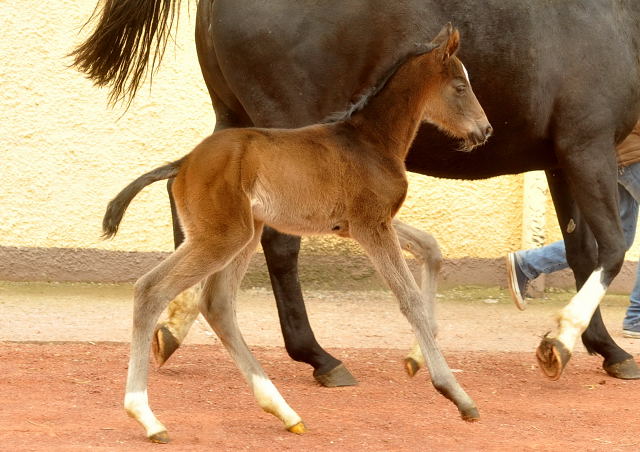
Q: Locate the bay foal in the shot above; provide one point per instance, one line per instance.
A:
(345, 177)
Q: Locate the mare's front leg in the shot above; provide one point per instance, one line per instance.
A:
(595, 189)
(281, 253)
(380, 242)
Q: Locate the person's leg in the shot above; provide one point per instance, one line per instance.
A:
(526, 265)
(547, 259)
(629, 179)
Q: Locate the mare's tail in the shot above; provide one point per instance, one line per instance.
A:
(129, 33)
(118, 205)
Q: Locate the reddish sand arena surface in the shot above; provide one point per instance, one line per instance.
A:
(67, 396)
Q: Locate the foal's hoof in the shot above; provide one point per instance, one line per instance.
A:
(626, 370)
(411, 366)
(298, 428)
(164, 344)
(552, 357)
(338, 376)
(160, 437)
(469, 414)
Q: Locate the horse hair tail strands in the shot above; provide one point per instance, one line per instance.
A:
(118, 205)
(129, 34)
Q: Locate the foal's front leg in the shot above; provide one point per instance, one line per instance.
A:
(380, 242)
(426, 251)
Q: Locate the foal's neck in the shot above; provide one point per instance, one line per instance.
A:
(393, 115)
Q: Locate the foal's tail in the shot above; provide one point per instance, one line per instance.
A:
(118, 205)
(128, 34)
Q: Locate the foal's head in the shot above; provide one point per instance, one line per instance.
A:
(452, 105)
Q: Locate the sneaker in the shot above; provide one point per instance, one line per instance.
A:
(518, 282)
(632, 332)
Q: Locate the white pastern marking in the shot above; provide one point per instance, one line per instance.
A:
(466, 74)
(136, 403)
(574, 318)
(272, 402)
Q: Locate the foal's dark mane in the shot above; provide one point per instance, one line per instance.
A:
(364, 98)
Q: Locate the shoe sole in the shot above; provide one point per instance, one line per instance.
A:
(631, 334)
(516, 296)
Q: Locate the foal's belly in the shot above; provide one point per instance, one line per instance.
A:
(297, 214)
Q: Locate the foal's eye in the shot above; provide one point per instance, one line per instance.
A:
(460, 89)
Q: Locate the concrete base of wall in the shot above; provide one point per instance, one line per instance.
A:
(316, 271)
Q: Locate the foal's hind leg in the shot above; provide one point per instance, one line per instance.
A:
(218, 303)
(426, 251)
(381, 244)
(184, 268)
(177, 319)
(205, 252)
(175, 324)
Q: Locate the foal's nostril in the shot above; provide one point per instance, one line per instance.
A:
(488, 131)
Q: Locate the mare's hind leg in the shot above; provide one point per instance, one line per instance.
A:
(381, 244)
(426, 251)
(217, 304)
(281, 254)
(583, 257)
(185, 267)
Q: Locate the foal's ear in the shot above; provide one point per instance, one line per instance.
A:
(448, 40)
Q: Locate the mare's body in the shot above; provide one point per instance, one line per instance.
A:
(559, 80)
(350, 180)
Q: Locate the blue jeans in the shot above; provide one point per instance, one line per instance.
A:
(552, 257)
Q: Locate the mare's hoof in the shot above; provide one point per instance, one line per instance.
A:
(552, 357)
(626, 370)
(298, 429)
(338, 376)
(164, 344)
(470, 414)
(411, 366)
(160, 437)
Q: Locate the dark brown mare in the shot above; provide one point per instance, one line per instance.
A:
(559, 80)
(347, 178)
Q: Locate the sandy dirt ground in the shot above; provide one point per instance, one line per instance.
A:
(64, 354)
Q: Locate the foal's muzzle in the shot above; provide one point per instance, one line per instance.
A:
(477, 137)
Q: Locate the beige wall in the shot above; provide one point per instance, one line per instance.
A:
(65, 153)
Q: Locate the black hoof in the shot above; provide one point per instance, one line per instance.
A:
(552, 357)
(626, 370)
(411, 366)
(164, 344)
(338, 376)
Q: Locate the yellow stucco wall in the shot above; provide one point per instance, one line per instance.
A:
(65, 153)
